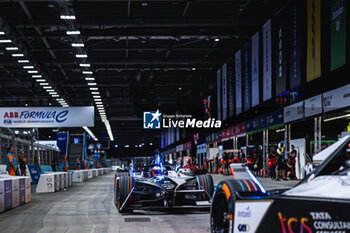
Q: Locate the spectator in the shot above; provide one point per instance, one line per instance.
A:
(78, 163)
(11, 162)
(259, 162)
(22, 164)
(293, 156)
(289, 167)
(65, 163)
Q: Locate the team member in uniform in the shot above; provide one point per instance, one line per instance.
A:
(78, 164)
(65, 164)
(11, 162)
(22, 164)
(86, 164)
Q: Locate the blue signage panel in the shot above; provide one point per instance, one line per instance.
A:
(62, 142)
(76, 140)
(34, 173)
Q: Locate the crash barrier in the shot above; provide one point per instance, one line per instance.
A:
(14, 191)
(54, 182)
(83, 175)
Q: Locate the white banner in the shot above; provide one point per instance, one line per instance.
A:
(313, 106)
(224, 91)
(50, 143)
(294, 112)
(267, 66)
(238, 78)
(335, 99)
(255, 69)
(218, 78)
(46, 117)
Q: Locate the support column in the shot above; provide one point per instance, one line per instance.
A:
(247, 140)
(317, 134)
(264, 149)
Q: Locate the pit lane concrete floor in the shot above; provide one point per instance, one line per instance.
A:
(88, 207)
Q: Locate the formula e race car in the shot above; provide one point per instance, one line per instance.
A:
(159, 186)
(319, 203)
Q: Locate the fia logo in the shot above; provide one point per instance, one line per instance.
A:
(151, 120)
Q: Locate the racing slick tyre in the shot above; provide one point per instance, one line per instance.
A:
(223, 204)
(123, 188)
(206, 182)
(119, 174)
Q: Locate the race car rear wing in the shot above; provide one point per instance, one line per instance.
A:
(241, 172)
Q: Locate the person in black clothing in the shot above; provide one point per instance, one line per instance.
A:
(280, 170)
(259, 161)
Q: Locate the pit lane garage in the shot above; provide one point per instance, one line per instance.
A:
(319, 203)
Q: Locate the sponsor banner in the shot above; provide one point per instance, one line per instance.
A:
(274, 118)
(255, 70)
(238, 78)
(252, 125)
(313, 106)
(246, 76)
(280, 50)
(218, 79)
(230, 92)
(50, 143)
(307, 215)
(248, 215)
(267, 66)
(239, 129)
(46, 117)
(224, 91)
(179, 148)
(336, 99)
(187, 146)
(338, 33)
(293, 112)
(297, 38)
(313, 64)
(34, 173)
(227, 133)
(62, 142)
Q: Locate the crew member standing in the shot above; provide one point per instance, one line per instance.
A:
(11, 162)
(86, 165)
(22, 164)
(78, 164)
(65, 164)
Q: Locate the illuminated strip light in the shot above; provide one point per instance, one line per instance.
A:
(109, 130)
(11, 48)
(256, 180)
(73, 32)
(2, 33)
(23, 61)
(336, 118)
(5, 41)
(87, 72)
(90, 133)
(67, 17)
(78, 45)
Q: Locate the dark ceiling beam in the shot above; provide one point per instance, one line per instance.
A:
(143, 23)
(130, 49)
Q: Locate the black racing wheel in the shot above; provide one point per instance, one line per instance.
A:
(206, 182)
(124, 187)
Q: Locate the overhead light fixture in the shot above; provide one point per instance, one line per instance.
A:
(32, 71)
(77, 45)
(84, 65)
(99, 105)
(126, 146)
(90, 133)
(17, 55)
(95, 92)
(11, 48)
(93, 88)
(48, 87)
(41, 80)
(89, 79)
(73, 32)
(193, 68)
(81, 56)
(98, 100)
(55, 95)
(216, 39)
(96, 96)
(2, 33)
(109, 130)
(336, 118)
(28, 67)
(67, 17)
(92, 84)
(49, 90)
(44, 84)
(87, 72)
(150, 143)
(23, 61)
(65, 105)
(37, 76)
(6, 41)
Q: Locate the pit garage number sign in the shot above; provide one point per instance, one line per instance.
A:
(47, 117)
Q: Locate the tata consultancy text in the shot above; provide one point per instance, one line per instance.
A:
(38, 115)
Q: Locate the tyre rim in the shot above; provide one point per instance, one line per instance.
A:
(220, 218)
